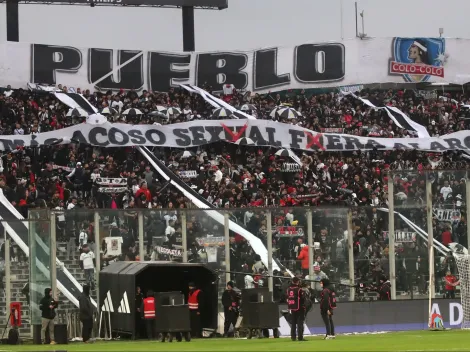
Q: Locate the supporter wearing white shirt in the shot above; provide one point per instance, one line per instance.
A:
(87, 263)
(95, 175)
(117, 104)
(18, 130)
(249, 281)
(170, 230)
(228, 89)
(169, 218)
(446, 190)
(218, 176)
(71, 205)
(83, 238)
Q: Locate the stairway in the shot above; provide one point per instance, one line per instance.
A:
(20, 277)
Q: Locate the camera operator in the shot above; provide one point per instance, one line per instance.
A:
(296, 305)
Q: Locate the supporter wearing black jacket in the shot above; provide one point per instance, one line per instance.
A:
(326, 308)
(47, 305)
(231, 303)
(384, 289)
(86, 313)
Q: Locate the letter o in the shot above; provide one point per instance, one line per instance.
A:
(112, 136)
(466, 141)
(149, 135)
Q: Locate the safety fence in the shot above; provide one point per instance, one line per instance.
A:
(350, 243)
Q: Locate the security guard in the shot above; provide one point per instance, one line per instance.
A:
(194, 303)
(296, 305)
(148, 314)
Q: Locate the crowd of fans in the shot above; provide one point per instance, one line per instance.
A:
(243, 179)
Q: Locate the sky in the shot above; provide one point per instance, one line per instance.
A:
(245, 25)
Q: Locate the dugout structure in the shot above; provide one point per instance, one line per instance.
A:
(118, 284)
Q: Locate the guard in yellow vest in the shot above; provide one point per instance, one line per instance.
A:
(194, 303)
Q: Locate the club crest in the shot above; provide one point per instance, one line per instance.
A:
(418, 59)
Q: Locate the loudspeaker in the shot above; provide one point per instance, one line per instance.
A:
(13, 337)
(60, 334)
(256, 295)
(261, 315)
(172, 315)
(258, 309)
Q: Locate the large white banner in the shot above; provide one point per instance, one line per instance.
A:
(250, 132)
(350, 62)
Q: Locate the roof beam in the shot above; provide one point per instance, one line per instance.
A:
(198, 4)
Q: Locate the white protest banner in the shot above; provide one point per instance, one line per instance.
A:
(291, 167)
(171, 252)
(65, 168)
(351, 89)
(262, 132)
(187, 174)
(447, 214)
(112, 189)
(288, 231)
(352, 62)
(332, 130)
(427, 94)
(402, 236)
(211, 241)
(116, 181)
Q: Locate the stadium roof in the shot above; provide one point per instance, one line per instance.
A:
(202, 4)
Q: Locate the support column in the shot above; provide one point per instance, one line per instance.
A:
(188, 29)
(97, 259)
(467, 201)
(352, 279)
(269, 229)
(140, 219)
(53, 255)
(227, 247)
(391, 236)
(432, 291)
(310, 245)
(13, 27)
(7, 276)
(184, 236)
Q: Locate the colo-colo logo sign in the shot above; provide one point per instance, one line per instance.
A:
(312, 63)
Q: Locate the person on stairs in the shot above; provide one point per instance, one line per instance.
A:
(48, 305)
(87, 263)
(86, 313)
